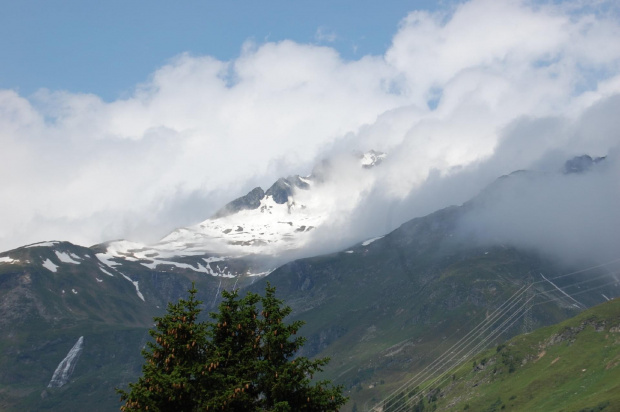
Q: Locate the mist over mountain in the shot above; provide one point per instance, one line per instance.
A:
(542, 145)
(445, 99)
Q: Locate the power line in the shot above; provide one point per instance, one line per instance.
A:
(498, 312)
(505, 308)
(477, 349)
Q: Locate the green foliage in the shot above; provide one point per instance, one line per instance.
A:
(510, 359)
(241, 360)
(172, 376)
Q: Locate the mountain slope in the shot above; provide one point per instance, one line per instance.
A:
(53, 294)
(382, 308)
(571, 366)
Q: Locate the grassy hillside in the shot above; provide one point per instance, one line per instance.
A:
(571, 366)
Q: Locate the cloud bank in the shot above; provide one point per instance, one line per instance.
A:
(459, 98)
(573, 217)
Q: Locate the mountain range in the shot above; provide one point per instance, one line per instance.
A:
(74, 318)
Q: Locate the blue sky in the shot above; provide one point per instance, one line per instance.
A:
(127, 119)
(107, 47)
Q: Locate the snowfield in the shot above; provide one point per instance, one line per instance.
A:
(269, 229)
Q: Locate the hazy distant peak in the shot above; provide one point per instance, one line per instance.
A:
(580, 164)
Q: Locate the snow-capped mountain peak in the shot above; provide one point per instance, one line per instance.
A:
(260, 223)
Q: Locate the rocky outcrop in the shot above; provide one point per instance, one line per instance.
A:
(248, 202)
(280, 191)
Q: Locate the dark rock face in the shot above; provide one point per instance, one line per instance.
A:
(283, 188)
(280, 191)
(247, 202)
(580, 164)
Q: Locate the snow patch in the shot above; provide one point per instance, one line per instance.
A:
(65, 368)
(306, 180)
(219, 271)
(348, 251)
(98, 280)
(43, 244)
(265, 273)
(213, 259)
(369, 241)
(199, 268)
(135, 284)
(67, 258)
(49, 265)
(106, 258)
(6, 259)
(120, 249)
(105, 271)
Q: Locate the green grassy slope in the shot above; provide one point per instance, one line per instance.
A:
(571, 366)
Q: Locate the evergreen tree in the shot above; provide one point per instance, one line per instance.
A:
(172, 376)
(242, 360)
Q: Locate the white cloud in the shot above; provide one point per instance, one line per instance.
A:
(201, 131)
(198, 125)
